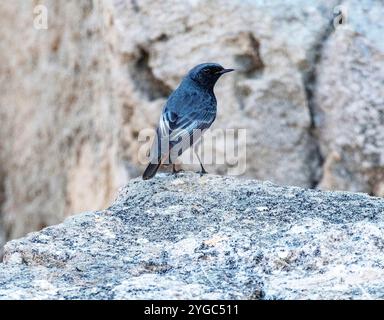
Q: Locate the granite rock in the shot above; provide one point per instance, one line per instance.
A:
(75, 97)
(349, 101)
(210, 237)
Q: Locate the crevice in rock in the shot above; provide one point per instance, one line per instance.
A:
(250, 61)
(144, 79)
(310, 81)
(135, 6)
(251, 66)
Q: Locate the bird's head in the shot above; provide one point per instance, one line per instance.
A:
(206, 74)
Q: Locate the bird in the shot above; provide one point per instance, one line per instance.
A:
(188, 112)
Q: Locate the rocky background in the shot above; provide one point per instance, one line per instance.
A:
(74, 97)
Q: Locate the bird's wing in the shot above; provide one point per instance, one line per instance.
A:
(188, 131)
(178, 131)
(176, 126)
(184, 117)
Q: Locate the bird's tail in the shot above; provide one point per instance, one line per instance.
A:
(151, 170)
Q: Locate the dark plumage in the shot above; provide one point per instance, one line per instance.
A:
(190, 109)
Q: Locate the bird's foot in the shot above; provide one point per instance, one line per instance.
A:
(202, 172)
(174, 171)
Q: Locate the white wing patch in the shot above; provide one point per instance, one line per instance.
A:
(180, 133)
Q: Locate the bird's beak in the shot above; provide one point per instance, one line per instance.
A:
(225, 71)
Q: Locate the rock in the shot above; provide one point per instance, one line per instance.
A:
(76, 97)
(210, 237)
(350, 101)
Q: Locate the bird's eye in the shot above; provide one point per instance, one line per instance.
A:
(206, 71)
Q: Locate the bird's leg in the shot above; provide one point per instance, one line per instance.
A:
(174, 171)
(203, 171)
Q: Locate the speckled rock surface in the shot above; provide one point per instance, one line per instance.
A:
(206, 237)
